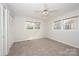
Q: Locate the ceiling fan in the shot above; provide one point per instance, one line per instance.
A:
(45, 10)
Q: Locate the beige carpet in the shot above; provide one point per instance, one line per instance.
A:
(42, 47)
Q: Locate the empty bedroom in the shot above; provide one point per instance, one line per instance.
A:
(39, 29)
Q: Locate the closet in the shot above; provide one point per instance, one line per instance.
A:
(6, 26)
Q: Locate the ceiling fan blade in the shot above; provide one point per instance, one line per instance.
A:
(38, 11)
(45, 6)
(52, 10)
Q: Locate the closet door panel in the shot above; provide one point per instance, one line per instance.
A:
(1, 30)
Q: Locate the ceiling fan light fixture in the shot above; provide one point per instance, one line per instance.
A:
(45, 12)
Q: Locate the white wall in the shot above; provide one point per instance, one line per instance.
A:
(10, 31)
(65, 36)
(24, 34)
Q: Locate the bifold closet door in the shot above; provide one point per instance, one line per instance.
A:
(1, 30)
(5, 49)
(5, 31)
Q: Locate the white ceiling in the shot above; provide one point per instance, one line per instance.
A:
(29, 9)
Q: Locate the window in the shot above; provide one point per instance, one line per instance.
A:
(37, 25)
(29, 25)
(32, 25)
(70, 24)
(67, 24)
(57, 25)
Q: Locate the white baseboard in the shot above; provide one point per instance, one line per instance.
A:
(65, 43)
(29, 39)
(9, 47)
